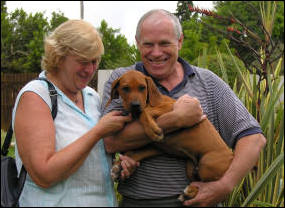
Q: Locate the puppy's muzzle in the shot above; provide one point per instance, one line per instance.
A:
(135, 108)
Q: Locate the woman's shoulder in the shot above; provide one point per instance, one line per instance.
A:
(37, 86)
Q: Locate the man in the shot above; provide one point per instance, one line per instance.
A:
(159, 180)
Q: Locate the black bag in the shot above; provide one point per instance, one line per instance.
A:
(11, 185)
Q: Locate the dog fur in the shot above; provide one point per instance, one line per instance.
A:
(202, 144)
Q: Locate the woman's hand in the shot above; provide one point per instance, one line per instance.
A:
(111, 123)
(128, 166)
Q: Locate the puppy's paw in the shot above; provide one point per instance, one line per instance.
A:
(189, 193)
(158, 137)
(116, 170)
(154, 133)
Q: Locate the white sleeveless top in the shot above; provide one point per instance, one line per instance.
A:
(91, 184)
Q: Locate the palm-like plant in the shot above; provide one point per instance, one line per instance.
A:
(260, 92)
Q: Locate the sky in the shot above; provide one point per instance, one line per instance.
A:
(123, 15)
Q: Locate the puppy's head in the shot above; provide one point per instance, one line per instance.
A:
(136, 91)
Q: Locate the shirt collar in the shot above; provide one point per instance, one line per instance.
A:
(188, 71)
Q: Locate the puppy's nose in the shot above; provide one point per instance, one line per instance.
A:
(135, 105)
(135, 109)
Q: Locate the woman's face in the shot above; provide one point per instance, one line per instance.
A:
(76, 73)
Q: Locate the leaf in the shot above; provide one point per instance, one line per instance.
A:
(265, 179)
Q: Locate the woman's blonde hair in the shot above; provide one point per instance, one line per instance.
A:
(73, 37)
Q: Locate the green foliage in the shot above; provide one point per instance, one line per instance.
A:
(201, 31)
(244, 10)
(213, 62)
(182, 11)
(264, 187)
(118, 53)
(11, 152)
(22, 37)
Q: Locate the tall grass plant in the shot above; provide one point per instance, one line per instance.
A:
(264, 186)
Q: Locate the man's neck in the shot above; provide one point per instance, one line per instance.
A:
(173, 79)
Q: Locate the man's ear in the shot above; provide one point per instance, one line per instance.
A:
(137, 42)
(180, 41)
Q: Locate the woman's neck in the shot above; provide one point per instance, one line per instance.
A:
(75, 96)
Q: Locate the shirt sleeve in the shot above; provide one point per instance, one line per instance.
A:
(234, 120)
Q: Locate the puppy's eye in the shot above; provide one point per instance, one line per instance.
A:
(126, 89)
(141, 88)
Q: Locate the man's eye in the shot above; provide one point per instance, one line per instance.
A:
(148, 44)
(164, 44)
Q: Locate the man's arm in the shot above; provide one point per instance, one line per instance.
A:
(246, 155)
(186, 112)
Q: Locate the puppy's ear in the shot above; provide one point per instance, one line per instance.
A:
(153, 95)
(114, 91)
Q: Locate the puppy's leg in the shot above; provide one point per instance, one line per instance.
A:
(189, 193)
(152, 130)
(192, 173)
(138, 155)
(116, 170)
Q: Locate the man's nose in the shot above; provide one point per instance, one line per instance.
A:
(156, 50)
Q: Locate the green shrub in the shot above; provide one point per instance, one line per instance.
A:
(211, 62)
(12, 147)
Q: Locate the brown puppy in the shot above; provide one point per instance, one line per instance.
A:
(202, 144)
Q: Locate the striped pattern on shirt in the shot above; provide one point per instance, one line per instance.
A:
(165, 175)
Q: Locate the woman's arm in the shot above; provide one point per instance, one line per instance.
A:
(35, 135)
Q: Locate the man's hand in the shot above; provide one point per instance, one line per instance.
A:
(188, 111)
(210, 194)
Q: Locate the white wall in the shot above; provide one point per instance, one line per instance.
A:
(103, 76)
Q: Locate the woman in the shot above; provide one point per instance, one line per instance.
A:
(65, 158)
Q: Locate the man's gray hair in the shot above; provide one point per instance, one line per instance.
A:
(175, 20)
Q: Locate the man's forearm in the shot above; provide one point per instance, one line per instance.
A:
(246, 155)
(133, 135)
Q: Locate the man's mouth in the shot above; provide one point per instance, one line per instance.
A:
(158, 62)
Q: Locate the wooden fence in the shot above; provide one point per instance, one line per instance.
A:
(11, 84)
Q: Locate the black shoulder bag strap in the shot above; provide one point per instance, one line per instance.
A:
(8, 138)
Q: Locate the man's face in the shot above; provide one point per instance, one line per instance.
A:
(159, 46)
